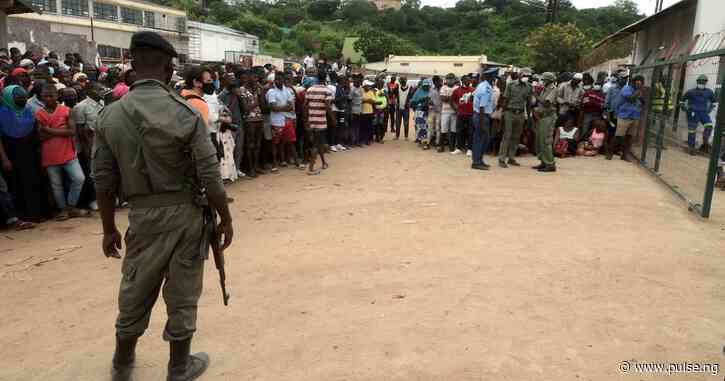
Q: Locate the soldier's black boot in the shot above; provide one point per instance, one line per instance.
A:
(185, 367)
(123, 359)
(627, 149)
(612, 146)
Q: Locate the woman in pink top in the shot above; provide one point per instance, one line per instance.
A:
(58, 153)
(124, 85)
(593, 145)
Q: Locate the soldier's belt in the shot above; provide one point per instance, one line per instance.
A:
(515, 110)
(160, 200)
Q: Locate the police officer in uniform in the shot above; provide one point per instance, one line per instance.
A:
(157, 148)
(514, 101)
(545, 115)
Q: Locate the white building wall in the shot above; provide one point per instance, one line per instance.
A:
(213, 45)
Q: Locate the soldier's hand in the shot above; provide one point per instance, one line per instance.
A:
(225, 229)
(112, 244)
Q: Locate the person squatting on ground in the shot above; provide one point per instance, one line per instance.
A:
(157, 148)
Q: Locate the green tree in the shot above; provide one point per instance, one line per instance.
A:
(556, 47)
(323, 9)
(376, 45)
(359, 11)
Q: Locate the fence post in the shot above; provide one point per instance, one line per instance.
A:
(714, 154)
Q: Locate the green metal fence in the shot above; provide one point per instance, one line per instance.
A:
(662, 147)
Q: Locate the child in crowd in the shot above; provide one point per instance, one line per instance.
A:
(56, 130)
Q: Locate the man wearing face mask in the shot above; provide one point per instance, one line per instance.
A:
(148, 143)
(545, 117)
(592, 104)
(198, 82)
(612, 94)
(698, 103)
(569, 98)
(513, 102)
(628, 106)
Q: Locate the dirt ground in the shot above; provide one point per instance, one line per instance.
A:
(398, 264)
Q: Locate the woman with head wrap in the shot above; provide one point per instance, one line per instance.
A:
(23, 171)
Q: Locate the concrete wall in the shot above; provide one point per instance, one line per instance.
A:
(24, 32)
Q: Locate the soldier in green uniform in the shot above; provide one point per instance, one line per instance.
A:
(157, 148)
(514, 101)
(545, 115)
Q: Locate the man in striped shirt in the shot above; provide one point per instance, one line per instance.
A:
(318, 100)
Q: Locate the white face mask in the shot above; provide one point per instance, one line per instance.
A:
(597, 87)
(524, 79)
(700, 86)
(587, 87)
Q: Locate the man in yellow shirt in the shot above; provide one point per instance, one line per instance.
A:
(368, 103)
(381, 105)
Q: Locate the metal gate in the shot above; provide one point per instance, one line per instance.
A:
(662, 147)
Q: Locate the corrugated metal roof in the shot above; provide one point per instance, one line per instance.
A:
(481, 58)
(20, 6)
(637, 26)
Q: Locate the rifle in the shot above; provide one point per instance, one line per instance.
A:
(209, 235)
(210, 217)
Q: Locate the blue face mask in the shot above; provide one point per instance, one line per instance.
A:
(217, 84)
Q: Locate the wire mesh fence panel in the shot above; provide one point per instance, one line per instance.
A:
(679, 137)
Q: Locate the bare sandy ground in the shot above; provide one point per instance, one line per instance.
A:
(399, 264)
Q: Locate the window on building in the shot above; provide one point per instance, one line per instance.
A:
(149, 19)
(105, 11)
(181, 24)
(457, 65)
(404, 64)
(106, 51)
(75, 7)
(49, 6)
(132, 16)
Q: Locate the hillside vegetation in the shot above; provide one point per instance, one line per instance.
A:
(509, 31)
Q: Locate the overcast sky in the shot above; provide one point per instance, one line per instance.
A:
(646, 6)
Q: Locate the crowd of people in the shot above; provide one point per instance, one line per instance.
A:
(263, 119)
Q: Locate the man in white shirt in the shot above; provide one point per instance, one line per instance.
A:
(448, 114)
(281, 102)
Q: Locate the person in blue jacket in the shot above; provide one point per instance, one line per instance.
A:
(698, 103)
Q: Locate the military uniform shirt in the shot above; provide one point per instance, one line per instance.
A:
(172, 132)
(517, 94)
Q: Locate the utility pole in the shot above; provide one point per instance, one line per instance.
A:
(658, 5)
(552, 11)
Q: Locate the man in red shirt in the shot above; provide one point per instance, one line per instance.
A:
(463, 97)
(592, 104)
(56, 130)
